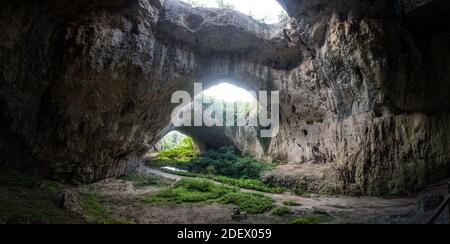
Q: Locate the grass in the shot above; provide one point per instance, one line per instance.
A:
(141, 181)
(25, 199)
(194, 190)
(252, 203)
(281, 211)
(96, 213)
(292, 203)
(189, 191)
(311, 219)
(250, 184)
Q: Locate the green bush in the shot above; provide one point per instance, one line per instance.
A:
(189, 190)
(182, 152)
(96, 213)
(281, 211)
(227, 162)
(292, 203)
(252, 203)
(25, 200)
(311, 219)
(193, 190)
(251, 184)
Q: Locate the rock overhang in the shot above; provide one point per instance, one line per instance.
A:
(220, 32)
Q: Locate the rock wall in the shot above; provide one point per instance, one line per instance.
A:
(384, 120)
(85, 86)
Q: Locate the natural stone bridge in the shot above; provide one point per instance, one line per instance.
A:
(85, 87)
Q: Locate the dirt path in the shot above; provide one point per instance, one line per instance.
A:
(351, 209)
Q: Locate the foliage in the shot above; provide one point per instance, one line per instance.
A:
(194, 190)
(281, 211)
(184, 151)
(227, 162)
(311, 219)
(189, 191)
(95, 211)
(240, 109)
(283, 17)
(292, 203)
(261, 21)
(196, 3)
(222, 4)
(252, 203)
(25, 199)
(251, 184)
(172, 139)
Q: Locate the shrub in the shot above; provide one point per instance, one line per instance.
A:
(192, 191)
(251, 184)
(281, 211)
(182, 152)
(227, 162)
(189, 190)
(96, 213)
(311, 219)
(252, 203)
(292, 203)
(25, 199)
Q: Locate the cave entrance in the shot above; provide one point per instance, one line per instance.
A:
(181, 144)
(264, 11)
(230, 93)
(172, 149)
(228, 106)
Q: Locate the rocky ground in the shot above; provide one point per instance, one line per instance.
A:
(119, 201)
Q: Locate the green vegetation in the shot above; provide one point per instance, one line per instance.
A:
(172, 139)
(182, 152)
(222, 4)
(24, 199)
(311, 219)
(292, 203)
(261, 21)
(189, 191)
(192, 190)
(224, 166)
(95, 212)
(283, 17)
(141, 181)
(241, 110)
(227, 162)
(252, 203)
(251, 184)
(281, 211)
(196, 3)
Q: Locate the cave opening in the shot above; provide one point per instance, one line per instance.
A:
(195, 148)
(226, 105)
(264, 11)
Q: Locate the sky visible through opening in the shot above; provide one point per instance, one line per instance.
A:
(269, 10)
(229, 93)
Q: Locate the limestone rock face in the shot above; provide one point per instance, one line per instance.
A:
(85, 86)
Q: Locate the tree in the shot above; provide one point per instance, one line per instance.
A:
(283, 17)
(196, 3)
(223, 5)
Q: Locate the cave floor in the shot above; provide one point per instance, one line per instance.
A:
(117, 201)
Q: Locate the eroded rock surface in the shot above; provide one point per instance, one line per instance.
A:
(86, 86)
